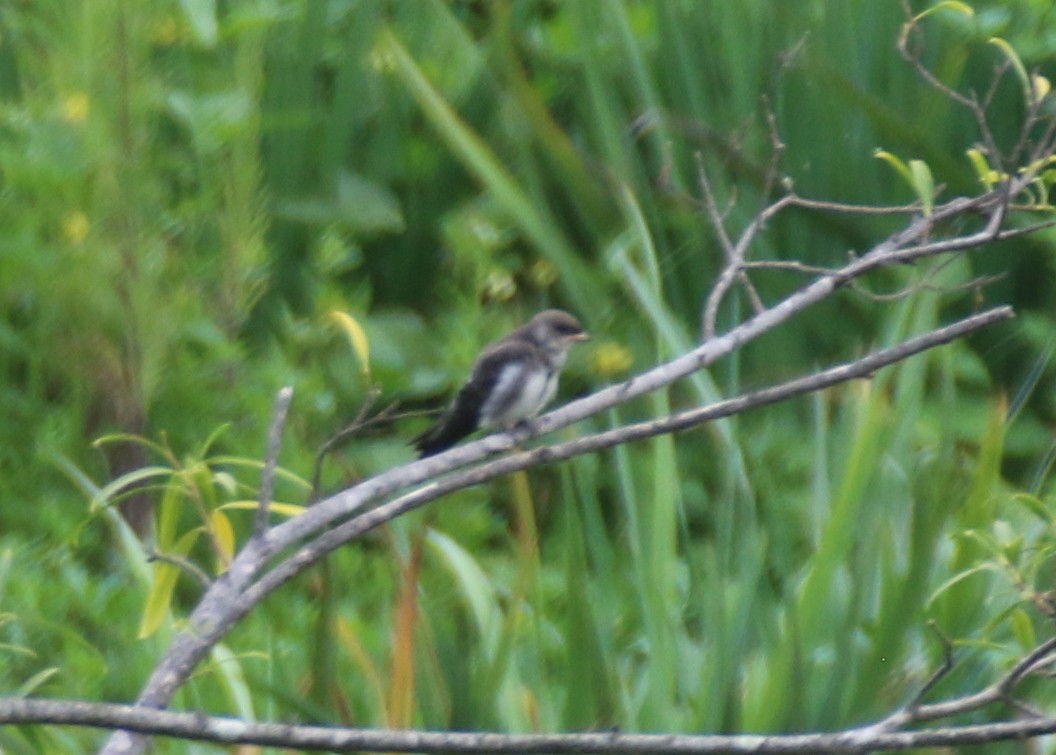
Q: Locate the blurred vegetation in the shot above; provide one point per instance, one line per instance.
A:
(190, 190)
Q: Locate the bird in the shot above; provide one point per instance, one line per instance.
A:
(511, 381)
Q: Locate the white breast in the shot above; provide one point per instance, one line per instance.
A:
(518, 396)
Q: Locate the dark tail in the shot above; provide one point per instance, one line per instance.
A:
(449, 430)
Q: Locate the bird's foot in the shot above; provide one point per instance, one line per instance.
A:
(521, 433)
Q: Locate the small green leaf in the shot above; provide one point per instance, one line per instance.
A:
(283, 509)
(1034, 505)
(917, 174)
(228, 668)
(169, 513)
(923, 184)
(982, 168)
(356, 336)
(1010, 541)
(954, 5)
(1017, 65)
(31, 684)
(159, 599)
(106, 495)
(226, 482)
(960, 577)
(1023, 629)
(895, 163)
(983, 539)
(224, 534)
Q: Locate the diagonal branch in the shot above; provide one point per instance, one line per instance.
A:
(308, 554)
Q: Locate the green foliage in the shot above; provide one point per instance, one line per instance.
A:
(202, 202)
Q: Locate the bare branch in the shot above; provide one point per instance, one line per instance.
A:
(999, 691)
(357, 425)
(338, 536)
(228, 731)
(939, 673)
(972, 103)
(267, 476)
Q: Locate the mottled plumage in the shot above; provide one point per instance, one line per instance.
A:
(512, 380)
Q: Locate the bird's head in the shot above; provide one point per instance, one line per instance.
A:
(556, 331)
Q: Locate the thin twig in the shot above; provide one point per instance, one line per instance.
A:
(923, 285)
(271, 460)
(940, 673)
(360, 423)
(183, 564)
(972, 103)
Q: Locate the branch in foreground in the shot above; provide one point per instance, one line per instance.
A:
(227, 731)
(999, 691)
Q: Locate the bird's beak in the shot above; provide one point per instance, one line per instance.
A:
(584, 336)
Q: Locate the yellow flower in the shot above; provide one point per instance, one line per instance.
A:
(612, 359)
(75, 227)
(542, 274)
(75, 108)
(166, 33)
(499, 285)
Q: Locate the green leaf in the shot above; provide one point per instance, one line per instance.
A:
(896, 163)
(958, 578)
(983, 171)
(106, 494)
(356, 336)
(917, 174)
(475, 586)
(923, 184)
(229, 668)
(1023, 629)
(169, 513)
(1034, 505)
(283, 509)
(281, 473)
(1017, 66)
(954, 5)
(31, 684)
(224, 534)
(159, 599)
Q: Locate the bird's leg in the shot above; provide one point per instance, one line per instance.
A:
(521, 431)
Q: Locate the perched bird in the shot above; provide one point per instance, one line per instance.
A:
(512, 380)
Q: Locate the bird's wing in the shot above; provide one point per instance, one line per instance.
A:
(464, 415)
(500, 378)
(493, 365)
